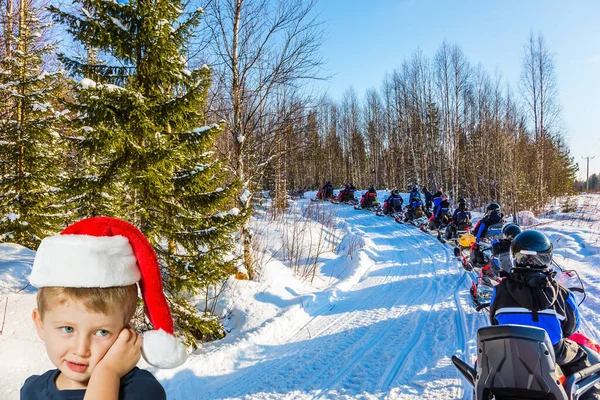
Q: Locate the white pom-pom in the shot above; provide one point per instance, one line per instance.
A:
(162, 350)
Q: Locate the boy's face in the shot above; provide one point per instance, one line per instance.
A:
(76, 340)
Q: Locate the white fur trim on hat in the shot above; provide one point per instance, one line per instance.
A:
(163, 350)
(84, 261)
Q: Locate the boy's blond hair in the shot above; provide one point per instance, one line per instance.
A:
(98, 300)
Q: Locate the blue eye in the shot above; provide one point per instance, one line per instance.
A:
(67, 329)
(102, 332)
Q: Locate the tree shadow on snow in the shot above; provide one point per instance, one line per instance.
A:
(359, 358)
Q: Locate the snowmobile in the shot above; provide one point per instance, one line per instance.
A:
(439, 223)
(418, 222)
(324, 193)
(399, 217)
(374, 206)
(368, 201)
(467, 253)
(489, 276)
(452, 232)
(463, 246)
(345, 196)
(516, 362)
(391, 209)
(352, 202)
(485, 247)
(415, 215)
(494, 232)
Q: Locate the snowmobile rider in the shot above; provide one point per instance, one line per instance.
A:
(414, 192)
(393, 203)
(441, 209)
(428, 198)
(441, 205)
(501, 251)
(461, 219)
(530, 296)
(347, 193)
(414, 209)
(326, 192)
(369, 197)
(492, 217)
(501, 248)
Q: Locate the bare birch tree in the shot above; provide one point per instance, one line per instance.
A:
(539, 92)
(258, 47)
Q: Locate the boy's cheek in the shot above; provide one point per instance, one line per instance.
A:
(103, 348)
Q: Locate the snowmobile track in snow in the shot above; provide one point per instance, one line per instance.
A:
(399, 317)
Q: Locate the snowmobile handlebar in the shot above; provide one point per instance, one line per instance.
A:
(581, 381)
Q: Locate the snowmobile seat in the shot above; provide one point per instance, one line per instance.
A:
(516, 362)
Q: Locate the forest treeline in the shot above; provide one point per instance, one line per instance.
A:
(441, 122)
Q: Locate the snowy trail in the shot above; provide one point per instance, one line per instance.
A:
(381, 324)
(390, 335)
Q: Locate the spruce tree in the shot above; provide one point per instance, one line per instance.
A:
(29, 147)
(144, 152)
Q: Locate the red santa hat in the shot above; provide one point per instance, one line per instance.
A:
(106, 252)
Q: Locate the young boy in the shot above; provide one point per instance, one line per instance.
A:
(87, 296)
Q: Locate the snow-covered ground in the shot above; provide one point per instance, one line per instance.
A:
(379, 317)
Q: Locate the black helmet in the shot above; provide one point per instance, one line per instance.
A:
(415, 187)
(371, 187)
(531, 249)
(511, 230)
(396, 192)
(493, 208)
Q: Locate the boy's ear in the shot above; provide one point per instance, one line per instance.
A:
(37, 321)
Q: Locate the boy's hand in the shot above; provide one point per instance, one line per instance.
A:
(124, 354)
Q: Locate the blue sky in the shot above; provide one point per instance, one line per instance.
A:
(366, 39)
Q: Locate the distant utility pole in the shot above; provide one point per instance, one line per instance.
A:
(587, 173)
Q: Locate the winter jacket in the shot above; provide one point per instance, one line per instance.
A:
(442, 207)
(461, 217)
(428, 197)
(413, 194)
(533, 298)
(395, 201)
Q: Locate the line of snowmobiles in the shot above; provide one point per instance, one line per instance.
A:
(516, 362)
(344, 196)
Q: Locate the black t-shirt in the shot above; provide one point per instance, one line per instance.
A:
(137, 384)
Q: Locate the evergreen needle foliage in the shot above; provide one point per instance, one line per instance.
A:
(141, 150)
(29, 145)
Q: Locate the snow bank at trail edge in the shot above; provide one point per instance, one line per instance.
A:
(255, 312)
